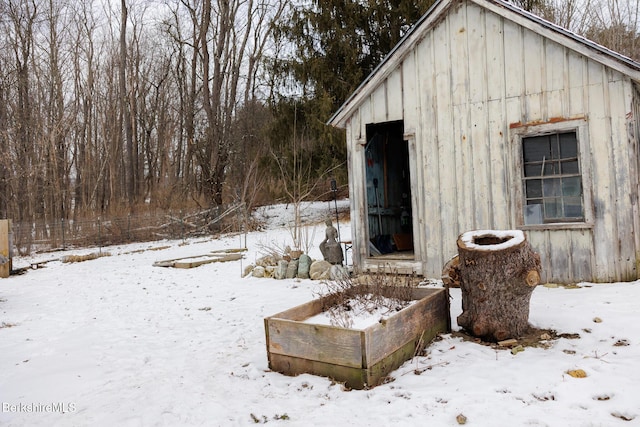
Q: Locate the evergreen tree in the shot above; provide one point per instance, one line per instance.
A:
(334, 45)
(339, 42)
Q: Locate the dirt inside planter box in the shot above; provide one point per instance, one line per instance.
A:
(361, 358)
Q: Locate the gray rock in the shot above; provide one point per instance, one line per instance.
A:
(270, 271)
(248, 269)
(338, 272)
(266, 261)
(304, 263)
(258, 271)
(281, 271)
(319, 270)
(292, 269)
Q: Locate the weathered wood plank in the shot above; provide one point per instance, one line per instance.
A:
(534, 71)
(385, 338)
(480, 179)
(430, 156)
(635, 176)
(534, 65)
(379, 103)
(198, 260)
(355, 378)
(329, 344)
(409, 93)
(5, 229)
(446, 151)
(461, 70)
(602, 173)
(477, 53)
(355, 160)
(361, 247)
(554, 66)
(581, 255)
(394, 93)
(499, 193)
(514, 64)
(302, 311)
(576, 82)
(495, 56)
(622, 210)
(207, 260)
(559, 249)
(459, 52)
(539, 242)
(462, 161)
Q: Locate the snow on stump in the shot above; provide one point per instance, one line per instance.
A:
(498, 273)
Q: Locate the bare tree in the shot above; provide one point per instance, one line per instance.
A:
(102, 110)
(614, 24)
(21, 19)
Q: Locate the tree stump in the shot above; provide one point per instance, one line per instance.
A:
(498, 273)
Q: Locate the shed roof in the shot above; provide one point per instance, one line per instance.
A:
(508, 11)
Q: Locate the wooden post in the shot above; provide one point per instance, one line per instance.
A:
(498, 273)
(5, 248)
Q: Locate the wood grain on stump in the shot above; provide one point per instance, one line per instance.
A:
(498, 273)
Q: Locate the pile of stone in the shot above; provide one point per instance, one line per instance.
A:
(293, 265)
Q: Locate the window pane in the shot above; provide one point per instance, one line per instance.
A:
(533, 213)
(533, 170)
(571, 186)
(570, 167)
(551, 168)
(551, 188)
(534, 188)
(573, 207)
(568, 145)
(552, 208)
(536, 148)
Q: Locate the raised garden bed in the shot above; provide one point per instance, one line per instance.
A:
(360, 358)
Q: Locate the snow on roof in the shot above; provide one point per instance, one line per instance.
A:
(508, 238)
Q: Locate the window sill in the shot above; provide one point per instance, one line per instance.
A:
(558, 226)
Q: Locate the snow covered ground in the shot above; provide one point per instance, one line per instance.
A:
(118, 342)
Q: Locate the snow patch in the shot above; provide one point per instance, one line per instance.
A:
(506, 238)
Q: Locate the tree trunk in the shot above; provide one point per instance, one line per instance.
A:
(498, 273)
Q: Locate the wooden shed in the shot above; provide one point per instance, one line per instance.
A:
(485, 116)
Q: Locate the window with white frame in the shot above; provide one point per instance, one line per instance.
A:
(552, 178)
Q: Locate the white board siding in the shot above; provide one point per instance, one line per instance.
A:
(634, 136)
(495, 56)
(575, 80)
(431, 161)
(620, 94)
(444, 138)
(395, 96)
(471, 78)
(354, 154)
(379, 104)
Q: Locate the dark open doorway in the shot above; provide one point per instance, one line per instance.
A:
(388, 187)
